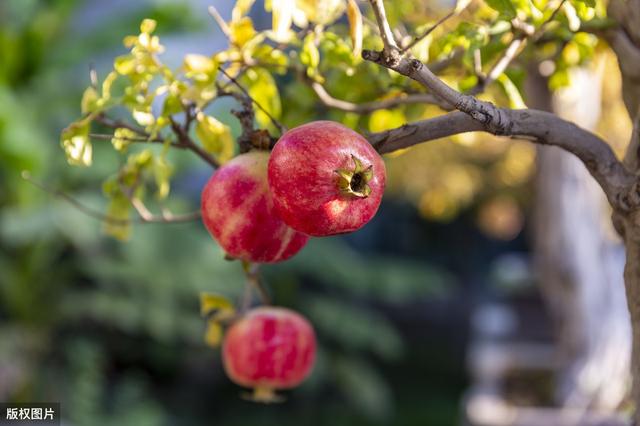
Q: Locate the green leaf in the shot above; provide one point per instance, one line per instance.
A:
(364, 386)
(162, 172)
(263, 89)
(76, 144)
(118, 210)
(559, 79)
(512, 92)
(505, 7)
(215, 137)
(309, 55)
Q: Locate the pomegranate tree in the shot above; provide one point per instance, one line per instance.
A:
(237, 209)
(268, 349)
(325, 178)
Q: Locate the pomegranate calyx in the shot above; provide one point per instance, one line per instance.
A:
(355, 182)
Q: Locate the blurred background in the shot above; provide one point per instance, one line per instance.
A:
(463, 291)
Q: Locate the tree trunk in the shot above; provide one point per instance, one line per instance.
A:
(625, 41)
(632, 285)
(579, 264)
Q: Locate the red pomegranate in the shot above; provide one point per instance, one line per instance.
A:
(237, 209)
(325, 179)
(268, 349)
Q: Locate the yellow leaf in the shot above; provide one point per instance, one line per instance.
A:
(384, 119)
(89, 100)
(282, 16)
(213, 335)
(125, 64)
(217, 305)
(148, 26)
(107, 83)
(263, 89)
(215, 137)
(76, 144)
(199, 67)
(355, 26)
(143, 118)
(321, 11)
(241, 8)
(122, 138)
(241, 31)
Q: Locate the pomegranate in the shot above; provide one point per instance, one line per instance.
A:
(237, 209)
(325, 179)
(268, 349)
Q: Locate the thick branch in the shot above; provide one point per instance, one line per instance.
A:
(541, 127)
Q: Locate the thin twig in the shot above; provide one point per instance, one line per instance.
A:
(386, 34)
(513, 50)
(185, 140)
(280, 126)
(117, 124)
(220, 21)
(551, 17)
(364, 108)
(252, 272)
(96, 214)
(429, 30)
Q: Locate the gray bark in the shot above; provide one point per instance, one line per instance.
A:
(580, 260)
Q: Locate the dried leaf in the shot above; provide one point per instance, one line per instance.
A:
(355, 26)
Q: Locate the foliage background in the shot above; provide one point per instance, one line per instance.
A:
(112, 330)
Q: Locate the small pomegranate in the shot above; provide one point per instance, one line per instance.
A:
(268, 349)
(325, 179)
(237, 209)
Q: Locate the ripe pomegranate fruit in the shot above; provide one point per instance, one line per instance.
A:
(237, 209)
(325, 179)
(268, 349)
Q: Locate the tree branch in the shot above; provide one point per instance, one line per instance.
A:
(252, 272)
(278, 125)
(429, 30)
(96, 214)
(390, 45)
(184, 141)
(538, 126)
(367, 107)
